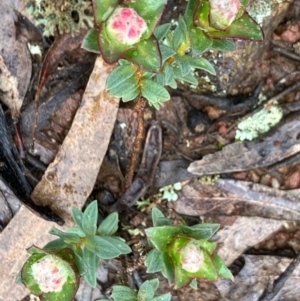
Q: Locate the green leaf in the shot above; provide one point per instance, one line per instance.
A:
(109, 225)
(189, 78)
(92, 262)
(189, 12)
(199, 41)
(69, 238)
(119, 75)
(208, 246)
(75, 230)
(89, 219)
(153, 261)
(203, 64)
(164, 297)
(243, 28)
(166, 52)
(210, 228)
(153, 92)
(150, 11)
(146, 55)
(181, 278)
(55, 245)
(107, 247)
(160, 79)
(123, 293)
(244, 4)
(36, 250)
(183, 63)
(146, 292)
(156, 214)
(90, 42)
(161, 236)
(126, 89)
(180, 34)
(79, 261)
(163, 222)
(103, 9)
(154, 283)
(161, 31)
(77, 216)
(130, 94)
(221, 268)
(223, 45)
(167, 270)
(169, 76)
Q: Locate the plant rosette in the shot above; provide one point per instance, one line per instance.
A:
(51, 276)
(184, 252)
(211, 21)
(126, 31)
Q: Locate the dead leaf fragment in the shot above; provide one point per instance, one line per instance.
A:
(15, 61)
(237, 198)
(261, 152)
(259, 274)
(70, 179)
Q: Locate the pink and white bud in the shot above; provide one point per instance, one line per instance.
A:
(126, 26)
(50, 274)
(223, 13)
(191, 257)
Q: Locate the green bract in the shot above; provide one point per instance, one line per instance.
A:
(211, 20)
(183, 253)
(53, 277)
(126, 31)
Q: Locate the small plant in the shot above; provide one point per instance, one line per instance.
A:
(151, 57)
(53, 272)
(183, 254)
(145, 293)
(169, 192)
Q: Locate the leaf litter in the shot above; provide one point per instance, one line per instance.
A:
(249, 213)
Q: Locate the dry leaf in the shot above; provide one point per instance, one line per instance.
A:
(70, 179)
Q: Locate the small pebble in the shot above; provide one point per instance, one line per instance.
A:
(265, 180)
(275, 183)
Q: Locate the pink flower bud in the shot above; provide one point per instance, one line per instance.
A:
(49, 274)
(191, 257)
(223, 13)
(126, 26)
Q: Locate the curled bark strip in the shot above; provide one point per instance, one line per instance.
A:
(145, 174)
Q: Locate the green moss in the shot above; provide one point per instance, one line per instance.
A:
(61, 16)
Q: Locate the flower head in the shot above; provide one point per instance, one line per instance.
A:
(126, 26)
(124, 30)
(49, 274)
(223, 13)
(191, 257)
